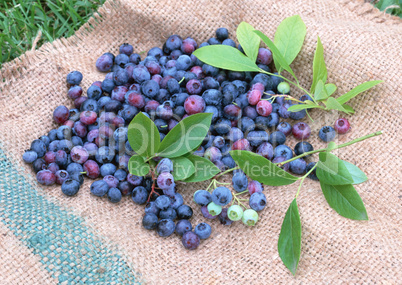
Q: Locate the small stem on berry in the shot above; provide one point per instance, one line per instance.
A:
(210, 184)
(245, 191)
(338, 146)
(181, 80)
(153, 187)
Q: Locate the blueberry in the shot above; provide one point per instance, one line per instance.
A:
(183, 226)
(89, 105)
(222, 34)
(250, 217)
(327, 133)
(213, 154)
(174, 42)
(169, 213)
(266, 150)
(53, 167)
(79, 154)
(39, 164)
(256, 138)
(39, 147)
(29, 156)
(99, 188)
(61, 158)
(218, 142)
(229, 42)
(91, 168)
(104, 63)
(224, 218)
(213, 41)
(298, 166)
(305, 97)
(94, 92)
(125, 188)
(250, 112)
(202, 197)
(228, 161)
(242, 101)
(52, 135)
(74, 78)
(313, 174)
(235, 134)
(173, 86)
(77, 141)
(239, 181)
(194, 104)
(277, 138)
(139, 195)
(202, 230)
(283, 110)
(223, 126)
(247, 124)
(215, 113)
(285, 128)
(64, 132)
(302, 131)
(162, 202)
(257, 201)
(190, 240)
(302, 147)
(261, 123)
(150, 207)
(184, 212)
(134, 179)
(120, 76)
(70, 187)
(165, 227)
(150, 88)
(61, 176)
(235, 213)
(135, 58)
(165, 180)
(150, 221)
(176, 201)
(113, 106)
(232, 112)
(284, 151)
(280, 159)
(273, 120)
(298, 115)
(183, 62)
(74, 168)
(212, 97)
(141, 74)
(242, 144)
(164, 165)
(111, 181)
(105, 154)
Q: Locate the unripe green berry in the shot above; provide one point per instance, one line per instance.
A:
(250, 217)
(214, 209)
(283, 87)
(235, 212)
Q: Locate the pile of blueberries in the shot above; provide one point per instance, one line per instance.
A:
(168, 85)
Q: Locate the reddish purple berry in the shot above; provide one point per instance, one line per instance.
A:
(151, 106)
(301, 131)
(118, 93)
(190, 240)
(88, 117)
(104, 63)
(258, 86)
(50, 157)
(46, 177)
(255, 186)
(78, 102)
(232, 112)
(80, 129)
(91, 168)
(264, 108)
(74, 92)
(242, 144)
(53, 167)
(79, 154)
(264, 56)
(266, 150)
(61, 114)
(254, 96)
(342, 126)
(194, 104)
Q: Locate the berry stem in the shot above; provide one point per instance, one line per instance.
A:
(227, 171)
(153, 187)
(289, 81)
(245, 191)
(287, 96)
(338, 146)
(302, 179)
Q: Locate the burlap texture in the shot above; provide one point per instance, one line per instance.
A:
(360, 44)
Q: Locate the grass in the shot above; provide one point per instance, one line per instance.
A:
(22, 21)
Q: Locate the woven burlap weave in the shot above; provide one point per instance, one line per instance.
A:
(360, 44)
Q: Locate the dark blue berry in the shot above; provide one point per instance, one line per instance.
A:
(150, 221)
(114, 195)
(39, 147)
(326, 134)
(203, 230)
(99, 188)
(29, 156)
(169, 213)
(302, 147)
(256, 138)
(70, 187)
(184, 212)
(313, 174)
(257, 201)
(284, 151)
(139, 195)
(298, 166)
(74, 78)
(239, 181)
(277, 138)
(183, 226)
(202, 197)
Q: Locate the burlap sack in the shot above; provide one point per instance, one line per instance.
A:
(48, 238)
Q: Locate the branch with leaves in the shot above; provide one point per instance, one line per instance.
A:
(288, 41)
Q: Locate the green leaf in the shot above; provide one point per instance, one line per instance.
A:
(185, 136)
(261, 169)
(320, 92)
(225, 57)
(137, 166)
(357, 90)
(248, 40)
(204, 169)
(299, 107)
(345, 200)
(319, 68)
(357, 174)
(289, 242)
(289, 38)
(143, 135)
(280, 61)
(332, 104)
(331, 170)
(348, 108)
(182, 168)
(330, 88)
